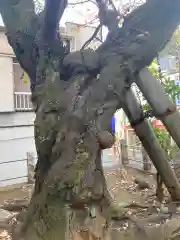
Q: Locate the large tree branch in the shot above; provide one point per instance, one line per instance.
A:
(17, 14)
(52, 15)
(143, 35)
(108, 17)
(51, 50)
(21, 25)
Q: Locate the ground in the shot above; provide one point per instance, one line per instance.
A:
(125, 192)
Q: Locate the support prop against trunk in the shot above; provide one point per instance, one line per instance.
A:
(151, 145)
(163, 107)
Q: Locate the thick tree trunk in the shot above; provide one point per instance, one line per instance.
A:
(69, 171)
(73, 117)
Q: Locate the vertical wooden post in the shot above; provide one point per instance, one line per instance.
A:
(146, 160)
(124, 152)
(30, 166)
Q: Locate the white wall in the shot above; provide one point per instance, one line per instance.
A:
(81, 35)
(16, 139)
(5, 48)
(16, 118)
(6, 84)
(120, 116)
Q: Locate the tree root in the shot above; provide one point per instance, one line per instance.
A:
(137, 205)
(16, 206)
(156, 218)
(116, 213)
(175, 233)
(5, 226)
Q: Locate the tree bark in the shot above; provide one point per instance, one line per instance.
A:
(73, 117)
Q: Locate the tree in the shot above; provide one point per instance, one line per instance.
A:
(74, 97)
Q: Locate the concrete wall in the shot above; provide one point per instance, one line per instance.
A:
(81, 34)
(16, 139)
(6, 84)
(5, 48)
(6, 75)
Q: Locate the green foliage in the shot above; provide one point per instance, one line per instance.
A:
(171, 88)
(146, 107)
(173, 91)
(174, 44)
(154, 68)
(165, 142)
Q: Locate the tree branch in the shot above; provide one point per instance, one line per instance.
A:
(21, 25)
(142, 35)
(51, 49)
(52, 15)
(17, 15)
(92, 37)
(108, 17)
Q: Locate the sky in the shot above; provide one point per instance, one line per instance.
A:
(1, 21)
(77, 14)
(83, 13)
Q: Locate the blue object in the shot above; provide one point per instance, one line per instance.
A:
(113, 125)
(178, 98)
(172, 164)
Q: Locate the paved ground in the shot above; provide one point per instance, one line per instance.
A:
(135, 160)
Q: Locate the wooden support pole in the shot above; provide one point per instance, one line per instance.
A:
(164, 109)
(146, 160)
(151, 145)
(124, 152)
(30, 166)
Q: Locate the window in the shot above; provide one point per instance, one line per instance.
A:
(22, 93)
(66, 44)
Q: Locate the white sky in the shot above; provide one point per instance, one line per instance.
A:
(83, 13)
(1, 22)
(79, 14)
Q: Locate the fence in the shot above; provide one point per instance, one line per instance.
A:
(22, 171)
(139, 160)
(15, 143)
(22, 101)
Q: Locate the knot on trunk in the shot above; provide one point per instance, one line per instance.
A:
(82, 61)
(106, 139)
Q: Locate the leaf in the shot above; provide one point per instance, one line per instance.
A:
(25, 78)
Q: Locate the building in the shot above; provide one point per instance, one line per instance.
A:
(16, 115)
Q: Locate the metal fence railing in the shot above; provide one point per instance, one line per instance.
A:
(136, 159)
(22, 101)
